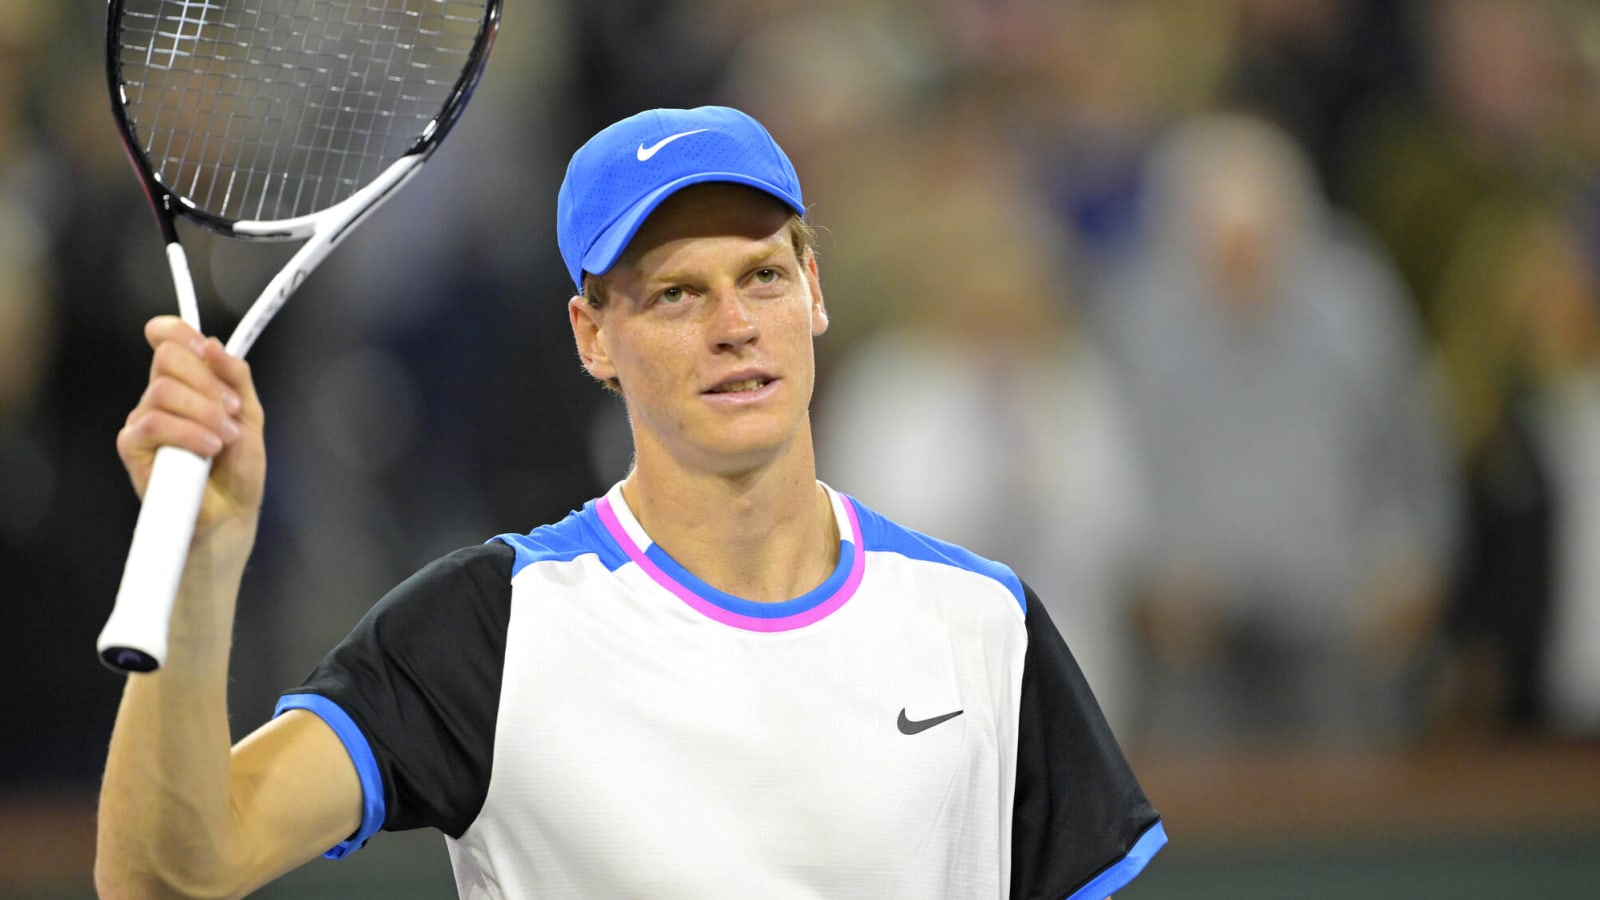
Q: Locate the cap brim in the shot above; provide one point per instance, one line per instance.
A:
(608, 247)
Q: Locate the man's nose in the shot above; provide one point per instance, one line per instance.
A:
(733, 322)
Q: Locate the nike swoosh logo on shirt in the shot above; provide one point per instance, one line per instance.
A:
(645, 153)
(907, 726)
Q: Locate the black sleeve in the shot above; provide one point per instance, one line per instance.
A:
(420, 675)
(1079, 810)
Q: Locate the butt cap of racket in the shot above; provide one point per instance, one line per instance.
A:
(128, 659)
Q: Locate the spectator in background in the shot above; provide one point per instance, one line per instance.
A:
(1317, 68)
(1453, 181)
(1556, 278)
(1486, 127)
(993, 421)
(1086, 87)
(1520, 351)
(1299, 494)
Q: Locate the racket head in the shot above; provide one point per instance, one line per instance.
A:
(268, 112)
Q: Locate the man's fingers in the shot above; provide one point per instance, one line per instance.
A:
(191, 400)
(175, 397)
(219, 374)
(239, 391)
(155, 428)
(161, 329)
(196, 363)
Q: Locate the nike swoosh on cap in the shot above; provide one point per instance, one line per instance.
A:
(907, 726)
(644, 153)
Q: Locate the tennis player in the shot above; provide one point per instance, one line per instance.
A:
(722, 678)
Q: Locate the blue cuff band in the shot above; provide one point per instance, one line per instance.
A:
(1125, 869)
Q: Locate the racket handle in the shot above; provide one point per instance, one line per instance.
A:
(135, 636)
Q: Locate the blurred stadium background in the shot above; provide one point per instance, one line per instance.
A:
(1262, 336)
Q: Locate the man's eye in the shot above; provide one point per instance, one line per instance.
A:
(670, 295)
(766, 276)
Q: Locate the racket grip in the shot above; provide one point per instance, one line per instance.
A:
(135, 636)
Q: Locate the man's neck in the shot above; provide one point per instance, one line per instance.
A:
(768, 535)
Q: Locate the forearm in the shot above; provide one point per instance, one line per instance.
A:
(166, 822)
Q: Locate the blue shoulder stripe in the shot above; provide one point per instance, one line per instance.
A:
(580, 533)
(880, 533)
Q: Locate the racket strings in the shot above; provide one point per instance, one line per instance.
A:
(274, 109)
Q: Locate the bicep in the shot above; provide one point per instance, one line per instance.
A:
(295, 793)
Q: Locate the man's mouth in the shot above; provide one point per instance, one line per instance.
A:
(735, 387)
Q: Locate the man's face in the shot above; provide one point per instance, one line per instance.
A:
(707, 323)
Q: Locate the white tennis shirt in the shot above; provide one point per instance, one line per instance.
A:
(582, 717)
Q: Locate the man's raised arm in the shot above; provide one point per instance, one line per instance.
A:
(182, 813)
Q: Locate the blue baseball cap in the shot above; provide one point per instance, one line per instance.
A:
(623, 173)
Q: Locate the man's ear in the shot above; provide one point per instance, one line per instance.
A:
(819, 310)
(590, 338)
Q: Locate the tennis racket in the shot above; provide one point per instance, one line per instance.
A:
(267, 120)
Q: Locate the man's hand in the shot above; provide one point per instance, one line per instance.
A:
(203, 400)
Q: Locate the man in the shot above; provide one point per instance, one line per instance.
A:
(721, 679)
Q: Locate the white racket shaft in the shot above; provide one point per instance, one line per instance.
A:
(134, 638)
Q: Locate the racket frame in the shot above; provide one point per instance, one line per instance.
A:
(135, 636)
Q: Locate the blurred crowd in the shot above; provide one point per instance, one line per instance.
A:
(1262, 337)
